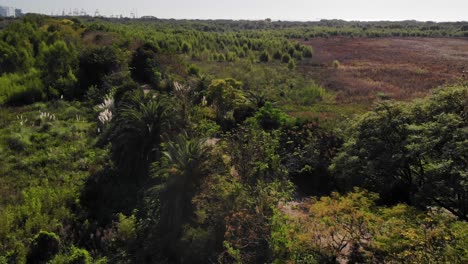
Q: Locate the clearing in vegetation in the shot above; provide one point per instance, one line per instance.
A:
(397, 68)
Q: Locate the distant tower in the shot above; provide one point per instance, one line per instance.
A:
(76, 12)
(97, 14)
(63, 12)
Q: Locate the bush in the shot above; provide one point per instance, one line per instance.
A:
(193, 70)
(74, 256)
(265, 57)
(207, 128)
(277, 55)
(336, 64)
(286, 58)
(309, 95)
(99, 62)
(308, 52)
(21, 89)
(16, 143)
(298, 55)
(44, 246)
(79, 256)
(186, 47)
(25, 96)
(269, 117)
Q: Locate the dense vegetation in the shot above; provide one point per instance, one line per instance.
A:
(158, 141)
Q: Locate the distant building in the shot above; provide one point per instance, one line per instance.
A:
(18, 12)
(6, 11)
(148, 17)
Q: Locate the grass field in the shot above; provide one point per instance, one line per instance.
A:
(398, 68)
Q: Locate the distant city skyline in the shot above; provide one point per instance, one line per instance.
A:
(294, 10)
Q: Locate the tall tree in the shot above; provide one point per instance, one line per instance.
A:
(414, 153)
(180, 174)
(138, 129)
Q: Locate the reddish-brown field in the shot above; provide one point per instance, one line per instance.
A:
(399, 68)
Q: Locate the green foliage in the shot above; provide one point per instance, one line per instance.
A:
(96, 63)
(126, 228)
(277, 55)
(144, 66)
(349, 217)
(265, 57)
(193, 70)
(269, 117)
(226, 96)
(74, 256)
(291, 65)
(48, 172)
(407, 235)
(336, 64)
(412, 150)
(351, 227)
(131, 188)
(282, 243)
(59, 63)
(180, 174)
(207, 128)
(286, 58)
(139, 124)
(186, 47)
(306, 96)
(43, 247)
(79, 256)
(20, 89)
(17, 47)
(308, 52)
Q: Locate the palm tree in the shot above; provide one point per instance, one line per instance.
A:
(139, 126)
(185, 165)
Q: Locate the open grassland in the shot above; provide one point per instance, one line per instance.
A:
(363, 69)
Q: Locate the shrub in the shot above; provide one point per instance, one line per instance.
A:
(336, 64)
(264, 56)
(79, 256)
(186, 47)
(207, 128)
(277, 55)
(21, 89)
(308, 52)
(16, 143)
(221, 58)
(44, 246)
(297, 55)
(74, 256)
(193, 70)
(307, 96)
(126, 227)
(269, 117)
(231, 56)
(286, 58)
(292, 65)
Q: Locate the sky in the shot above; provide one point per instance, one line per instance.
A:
(293, 10)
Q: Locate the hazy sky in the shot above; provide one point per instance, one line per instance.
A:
(434, 10)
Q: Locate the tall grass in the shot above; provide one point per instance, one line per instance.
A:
(306, 96)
